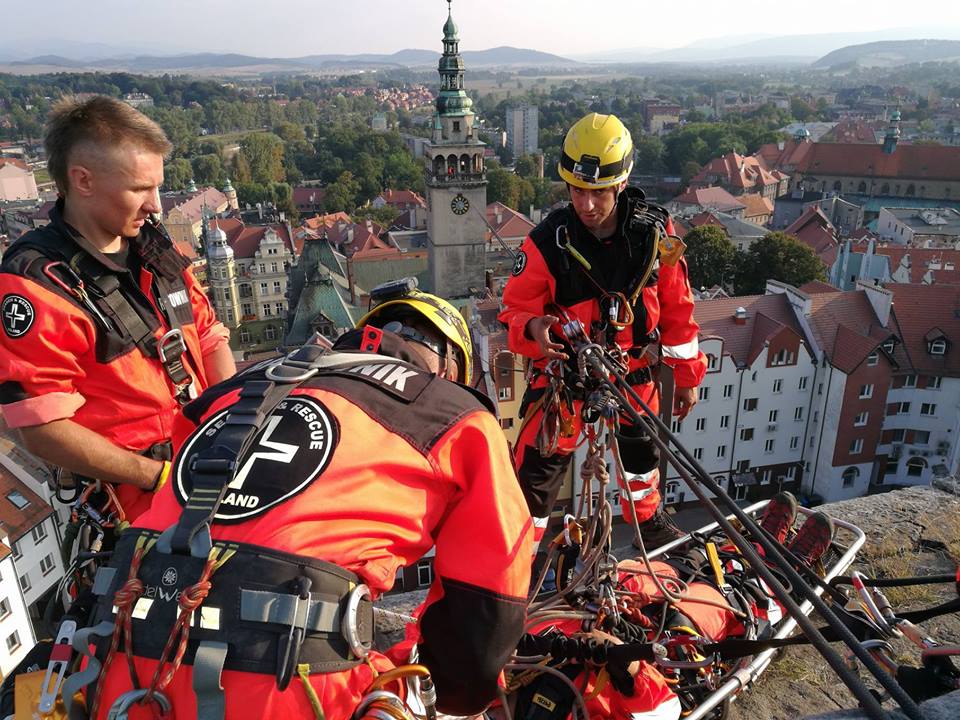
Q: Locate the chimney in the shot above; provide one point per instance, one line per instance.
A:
(740, 316)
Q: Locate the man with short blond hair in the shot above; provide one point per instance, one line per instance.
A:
(106, 333)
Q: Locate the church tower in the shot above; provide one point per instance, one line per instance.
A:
(456, 182)
(221, 274)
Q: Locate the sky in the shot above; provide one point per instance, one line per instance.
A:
(571, 28)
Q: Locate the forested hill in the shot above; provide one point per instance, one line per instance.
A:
(891, 53)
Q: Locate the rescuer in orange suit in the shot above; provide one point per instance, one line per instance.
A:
(106, 333)
(598, 261)
(366, 465)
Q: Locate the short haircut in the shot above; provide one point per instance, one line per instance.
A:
(101, 122)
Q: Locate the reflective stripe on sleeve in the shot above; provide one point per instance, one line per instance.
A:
(667, 710)
(686, 351)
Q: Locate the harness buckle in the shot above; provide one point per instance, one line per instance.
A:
(171, 346)
(349, 626)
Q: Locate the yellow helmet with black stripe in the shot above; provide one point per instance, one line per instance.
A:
(597, 153)
(394, 299)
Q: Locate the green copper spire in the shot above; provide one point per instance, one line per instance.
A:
(453, 99)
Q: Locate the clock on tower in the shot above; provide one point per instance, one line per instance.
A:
(460, 205)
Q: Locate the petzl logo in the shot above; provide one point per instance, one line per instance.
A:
(290, 451)
(17, 315)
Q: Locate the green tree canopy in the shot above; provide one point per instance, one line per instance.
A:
(208, 170)
(776, 256)
(341, 196)
(264, 154)
(710, 256)
(176, 174)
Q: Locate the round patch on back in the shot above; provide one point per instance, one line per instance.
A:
(17, 315)
(520, 263)
(288, 454)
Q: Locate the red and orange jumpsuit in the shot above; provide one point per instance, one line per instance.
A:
(545, 273)
(57, 361)
(402, 477)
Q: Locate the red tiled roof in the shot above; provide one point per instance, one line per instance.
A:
(308, 196)
(767, 315)
(918, 309)
(850, 130)
(845, 325)
(917, 162)
(245, 240)
(817, 287)
(789, 156)
(15, 162)
(17, 522)
(756, 205)
(922, 261)
(736, 171)
(511, 223)
(815, 230)
(710, 197)
(366, 236)
(403, 197)
(192, 204)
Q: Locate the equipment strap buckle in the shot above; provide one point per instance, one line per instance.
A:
(171, 346)
(60, 658)
(349, 625)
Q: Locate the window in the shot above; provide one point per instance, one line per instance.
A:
(701, 424)
(769, 445)
(850, 476)
(933, 382)
(25, 583)
(247, 309)
(772, 416)
(703, 393)
(244, 335)
(721, 451)
(18, 500)
(891, 468)
(910, 381)
(263, 268)
(273, 267)
(504, 393)
(856, 447)
(698, 453)
(873, 358)
(766, 477)
(820, 389)
(506, 423)
(900, 408)
(226, 294)
(17, 553)
(928, 409)
(675, 426)
(816, 416)
(921, 437)
(47, 564)
(861, 419)
(798, 413)
(938, 347)
(778, 386)
(278, 308)
(4, 608)
(263, 288)
(782, 357)
(888, 347)
(743, 466)
(712, 362)
(750, 404)
(424, 574)
(898, 435)
(39, 533)
(915, 466)
(803, 383)
(266, 310)
(866, 391)
(724, 422)
(13, 641)
(277, 289)
(794, 442)
(746, 434)
(270, 333)
(727, 391)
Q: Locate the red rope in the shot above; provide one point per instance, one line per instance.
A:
(125, 599)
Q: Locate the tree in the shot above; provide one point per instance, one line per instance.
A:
(649, 154)
(710, 256)
(176, 174)
(341, 196)
(207, 169)
(776, 256)
(384, 216)
(264, 153)
(526, 167)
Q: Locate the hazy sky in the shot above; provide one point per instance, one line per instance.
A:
(285, 28)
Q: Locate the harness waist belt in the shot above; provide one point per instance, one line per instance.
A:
(255, 605)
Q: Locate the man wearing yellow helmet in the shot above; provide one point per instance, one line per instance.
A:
(606, 260)
(337, 469)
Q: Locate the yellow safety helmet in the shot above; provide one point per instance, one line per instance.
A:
(597, 153)
(393, 298)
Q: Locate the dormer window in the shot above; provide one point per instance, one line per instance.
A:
(938, 347)
(888, 346)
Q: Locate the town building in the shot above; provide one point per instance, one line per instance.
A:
(308, 200)
(523, 130)
(17, 182)
(698, 199)
(456, 183)
(660, 116)
(138, 100)
(185, 212)
(741, 174)
(411, 206)
(740, 232)
(930, 227)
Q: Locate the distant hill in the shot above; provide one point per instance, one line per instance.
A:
(891, 53)
(214, 62)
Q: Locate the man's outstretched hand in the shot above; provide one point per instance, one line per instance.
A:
(538, 330)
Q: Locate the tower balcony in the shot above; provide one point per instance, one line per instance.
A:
(461, 179)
